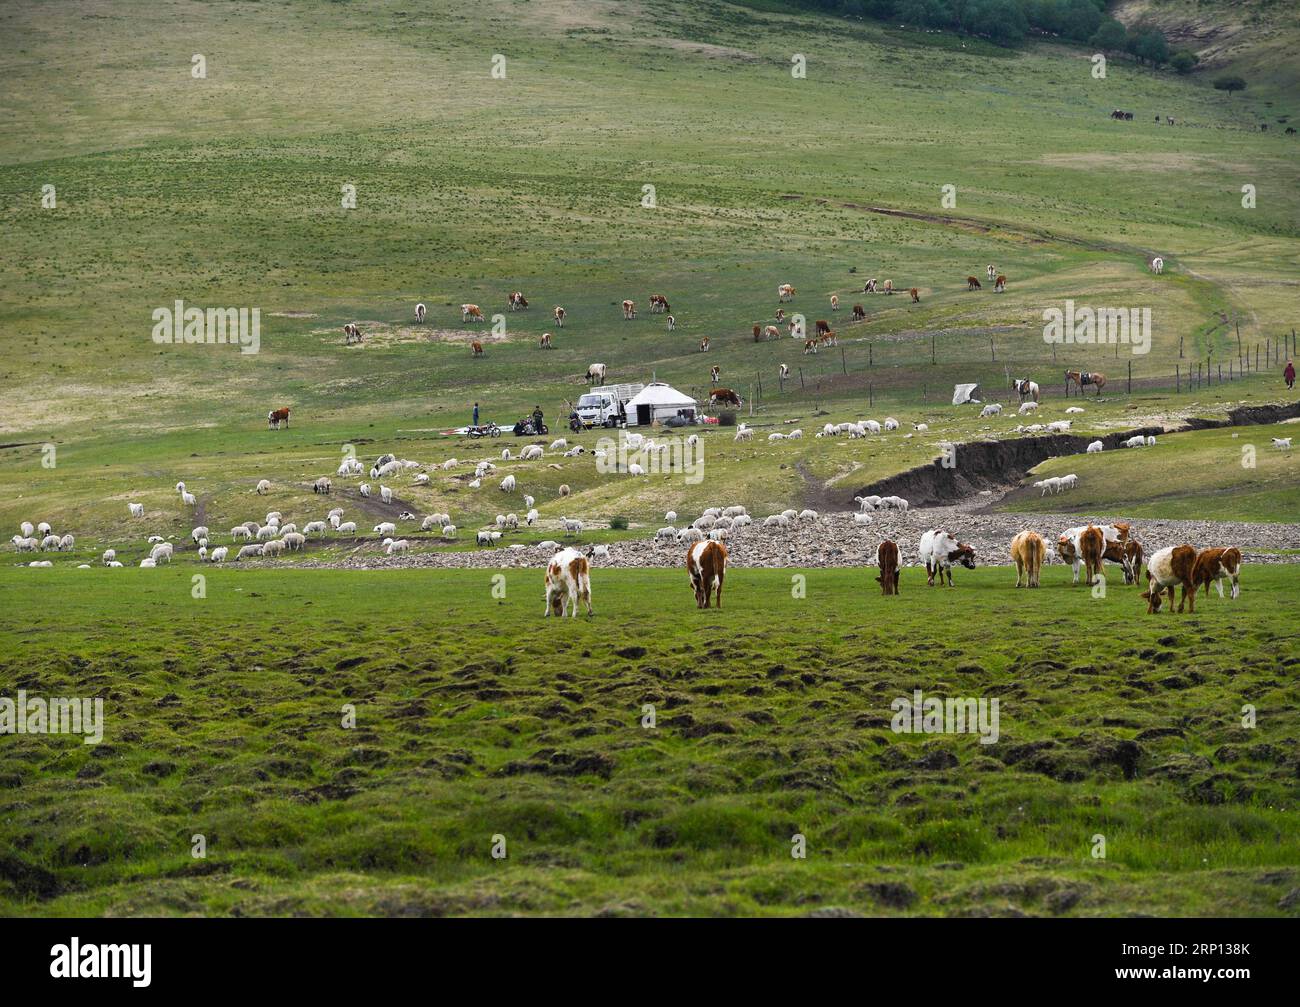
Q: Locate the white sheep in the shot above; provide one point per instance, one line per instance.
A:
(1074, 409)
(315, 526)
(136, 509)
(264, 486)
(294, 540)
(147, 564)
(1281, 443)
(163, 550)
(273, 548)
(50, 542)
(200, 532)
(385, 494)
(449, 531)
(531, 453)
(1151, 440)
(508, 484)
(807, 515)
(635, 470)
(775, 437)
(891, 423)
(668, 534)
(386, 528)
(109, 556)
(364, 489)
(559, 444)
(689, 535)
(476, 484)
(28, 529)
(347, 528)
(744, 434)
(239, 531)
(992, 409)
(1095, 448)
(219, 554)
(189, 499)
(1028, 407)
(531, 517)
(564, 490)
(571, 525)
(862, 518)
(248, 551)
(66, 543)
(401, 545)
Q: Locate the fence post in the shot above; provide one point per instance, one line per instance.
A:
(843, 363)
(1130, 377)
(871, 355)
(801, 385)
(993, 355)
(759, 376)
(1180, 347)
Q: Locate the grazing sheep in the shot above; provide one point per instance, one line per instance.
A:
(316, 526)
(486, 537)
(273, 548)
(200, 532)
(776, 437)
(564, 489)
(992, 409)
(449, 531)
(862, 518)
(347, 528)
(744, 433)
(66, 543)
(50, 542)
(27, 529)
(1151, 440)
(1281, 443)
(531, 517)
(571, 525)
(891, 423)
(531, 453)
(267, 532)
(406, 515)
(188, 499)
(1095, 448)
(364, 489)
(264, 487)
(109, 556)
(348, 467)
(807, 515)
(147, 564)
(1074, 409)
(476, 484)
(668, 534)
(163, 550)
(401, 545)
(385, 494)
(508, 484)
(635, 470)
(386, 528)
(115, 563)
(294, 540)
(559, 444)
(240, 531)
(690, 535)
(1137, 441)
(248, 551)
(218, 554)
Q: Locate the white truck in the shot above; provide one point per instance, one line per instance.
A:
(605, 406)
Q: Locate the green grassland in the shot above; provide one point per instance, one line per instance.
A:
(224, 713)
(1223, 474)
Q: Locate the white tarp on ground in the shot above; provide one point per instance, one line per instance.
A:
(965, 393)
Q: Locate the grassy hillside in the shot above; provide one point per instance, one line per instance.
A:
(224, 719)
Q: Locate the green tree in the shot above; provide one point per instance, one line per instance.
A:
(1110, 35)
(1183, 61)
(1230, 84)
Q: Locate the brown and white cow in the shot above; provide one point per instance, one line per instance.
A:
(859, 312)
(568, 581)
(1092, 545)
(780, 314)
(823, 326)
(809, 346)
(629, 310)
(1214, 566)
(546, 341)
(420, 312)
(992, 270)
(828, 339)
(471, 312)
(1127, 554)
(559, 316)
(1000, 284)
(724, 397)
(916, 295)
(277, 416)
(973, 283)
(476, 348)
(518, 302)
(715, 372)
(1028, 550)
(351, 333)
(706, 565)
(658, 304)
(1167, 569)
(672, 323)
(704, 344)
(889, 286)
(772, 332)
(835, 302)
(939, 551)
(785, 292)
(870, 286)
(887, 559)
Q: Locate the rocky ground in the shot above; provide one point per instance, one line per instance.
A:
(835, 540)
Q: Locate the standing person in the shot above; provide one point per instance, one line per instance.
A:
(1289, 374)
(475, 414)
(537, 419)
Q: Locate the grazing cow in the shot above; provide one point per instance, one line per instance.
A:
(784, 371)
(859, 312)
(1168, 568)
(1157, 265)
(471, 313)
(595, 374)
(1028, 550)
(835, 302)
(780, 314)
(518, 302)
(629, 310)
(809, 346)
(420, 312)
(1000, 284)
(559, 316)
(476, 348)
(724, 397)
(1081, 378)
(546, 341)
(916, 295)
(1068, 545)
(772, 332)
(672, 323)
(1092, 545)
(277, 416)
(704, 344)
(568, 581)
(351, 334)
(870, 286)
(706, 564)
(973, 283)
(714, 373)
(758, 333)
(1128, 555)
(658, 303)
(887, 559)
(785, 292)
(889, 286)
(938, 551)
(1214, 566)
(1026, 389)
(823, 326)
(992, 270)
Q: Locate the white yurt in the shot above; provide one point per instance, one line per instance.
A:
(659, 402)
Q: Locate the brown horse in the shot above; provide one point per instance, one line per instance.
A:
(1082, 378)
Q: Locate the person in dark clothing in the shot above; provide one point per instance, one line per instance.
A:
(537, 419)
(1289, 374)
(475, 414)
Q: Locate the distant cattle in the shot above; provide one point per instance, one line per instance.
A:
(1167, 569)
(704, 344)
(559, 316)
(809, 346)
(420, 312)
(476, 348)
(471, 313)
(517, 301)
(595, 374)
(992, 270)
(658, 304)
(758, 333)
(835, 302)
(1028, 550)
(859, 312)
(916, 295)
(889, 286)
(715, 372)
(1000, 284)
(887, 559)
(277, 416)
(546, 341)
(973, 283)
(870, 286)
(629, 310)
(724, 397)
(823, 326)
(1157, 265)
(772, 332)
(785, 292)
(351, 334)
(672, 323)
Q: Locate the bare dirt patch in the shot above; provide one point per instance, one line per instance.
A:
(377, 333)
